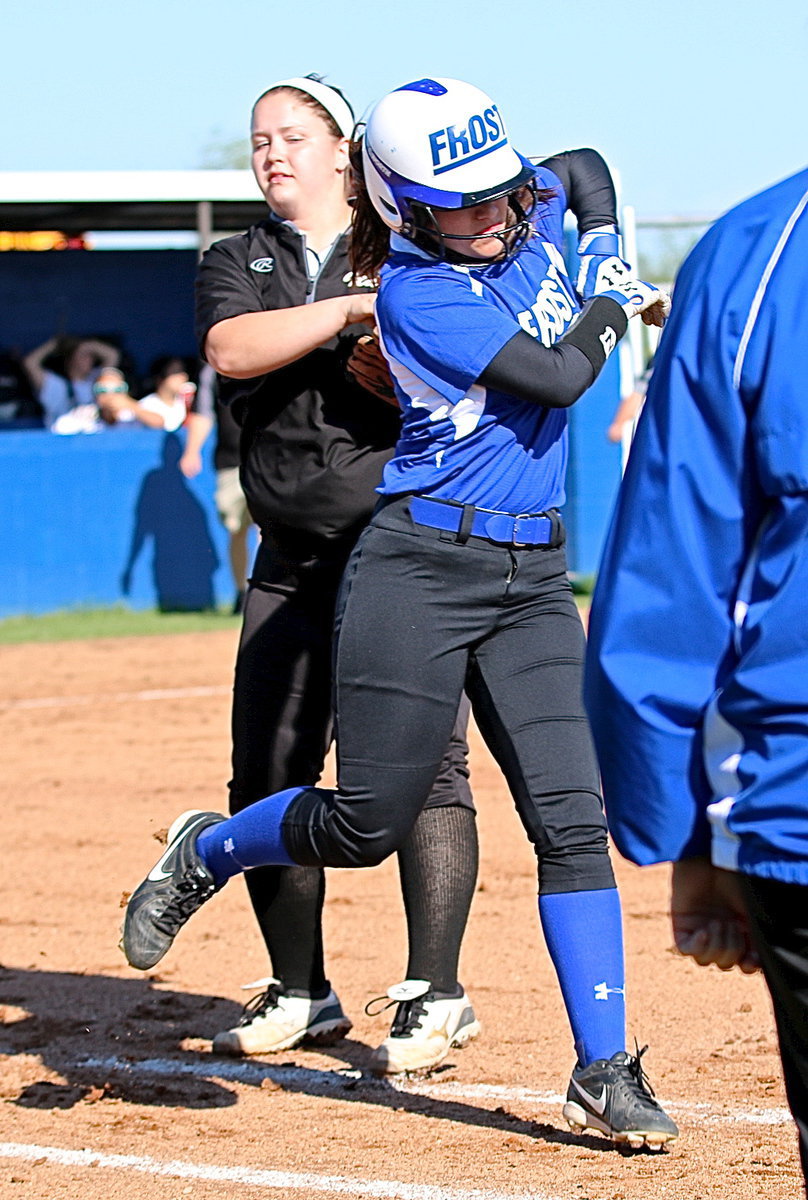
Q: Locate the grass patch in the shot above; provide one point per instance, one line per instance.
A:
(583, 585)
(80, 624)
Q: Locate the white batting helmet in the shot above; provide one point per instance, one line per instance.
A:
(441, 143)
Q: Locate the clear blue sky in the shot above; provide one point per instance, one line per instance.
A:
(697, 103)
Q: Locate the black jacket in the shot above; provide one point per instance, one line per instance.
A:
(313, 443)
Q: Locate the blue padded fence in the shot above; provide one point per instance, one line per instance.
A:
(104, 519)
(97, 520)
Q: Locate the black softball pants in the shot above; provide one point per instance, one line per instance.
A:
(421, 616)
(282, 729)
(282, 696)
(778, 914)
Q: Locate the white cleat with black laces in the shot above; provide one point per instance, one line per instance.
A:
(177, 885)
(425, 1028)
(614, 1096)
(274, 1020)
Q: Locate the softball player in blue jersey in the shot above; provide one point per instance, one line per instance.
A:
(460, 578)
(712, 526)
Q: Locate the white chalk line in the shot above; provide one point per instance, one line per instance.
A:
(323, 1082)
(383, 1189)
(184, 693)
(314, 1082)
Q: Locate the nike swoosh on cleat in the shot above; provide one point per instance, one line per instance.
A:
(597, 1102)
(157, 874)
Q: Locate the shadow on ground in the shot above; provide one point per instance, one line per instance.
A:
(121, 1039)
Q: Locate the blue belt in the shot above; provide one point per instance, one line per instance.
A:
(541, 529)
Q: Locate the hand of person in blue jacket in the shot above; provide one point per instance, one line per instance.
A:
(709, 916)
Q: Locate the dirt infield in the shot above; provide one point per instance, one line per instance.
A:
(108, 1086)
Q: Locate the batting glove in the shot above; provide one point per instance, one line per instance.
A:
(615, 279)
(594, 249)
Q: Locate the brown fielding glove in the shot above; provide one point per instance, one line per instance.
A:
(367, 366)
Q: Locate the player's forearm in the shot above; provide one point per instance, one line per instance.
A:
(556, 376)
(256, 343)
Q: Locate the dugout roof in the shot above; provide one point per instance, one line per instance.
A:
(77, 202)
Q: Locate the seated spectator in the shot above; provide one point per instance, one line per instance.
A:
(63, 371)
(173, 392)
(113, 403)
(111, 406)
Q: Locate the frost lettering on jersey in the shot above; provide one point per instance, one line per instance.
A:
(552, 311)
(452, 147)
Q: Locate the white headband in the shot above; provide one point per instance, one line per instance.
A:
(330, 100)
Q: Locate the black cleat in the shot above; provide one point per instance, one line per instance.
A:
(176, 886)
(614, 1096)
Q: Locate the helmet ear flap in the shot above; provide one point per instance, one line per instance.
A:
(381, 195)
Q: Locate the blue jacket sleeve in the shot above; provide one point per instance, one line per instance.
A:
(719, 439)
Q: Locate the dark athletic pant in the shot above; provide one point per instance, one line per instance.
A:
(282, 728)
(420, 617)
(778, 914)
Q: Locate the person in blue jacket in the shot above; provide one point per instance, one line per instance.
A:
(697, 675)
(460, 579)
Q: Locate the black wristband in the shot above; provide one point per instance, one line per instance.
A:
(598, 329)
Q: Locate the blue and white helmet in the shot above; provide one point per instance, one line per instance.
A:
(440, 143)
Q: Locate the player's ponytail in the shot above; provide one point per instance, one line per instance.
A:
(370, 237)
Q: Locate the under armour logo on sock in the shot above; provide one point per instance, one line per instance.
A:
(602, 991)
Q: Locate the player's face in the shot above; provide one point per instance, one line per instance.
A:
(296, 160)
(479, 223)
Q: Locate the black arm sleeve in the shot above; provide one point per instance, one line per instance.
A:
(589, 186)
(556, 376)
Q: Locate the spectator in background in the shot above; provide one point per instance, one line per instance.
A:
(113, 402)
(231, 503)
(173, 392)
(108, 407)
(112, 407)
(63, 371)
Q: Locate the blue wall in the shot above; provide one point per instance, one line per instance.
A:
(142, 298)
(97, 520)
(594, 471)
(593, 475)
(103, 519)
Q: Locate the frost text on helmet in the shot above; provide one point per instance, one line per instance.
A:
(452, 147)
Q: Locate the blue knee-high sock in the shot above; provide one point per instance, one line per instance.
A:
(584, 936)
(251, 838)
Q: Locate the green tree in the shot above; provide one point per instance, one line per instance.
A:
(221, 153)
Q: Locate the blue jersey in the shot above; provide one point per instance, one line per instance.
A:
(697, 678)
(440, 326)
